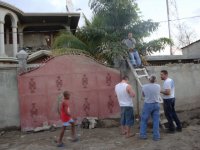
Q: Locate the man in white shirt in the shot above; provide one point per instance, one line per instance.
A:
(151, 93)
(169, 102)
(125, 94)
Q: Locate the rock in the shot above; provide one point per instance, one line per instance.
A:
(93, 122)
(52, 128)
(89, 122)
(43, 128)
(85, 123)
(2, 133)
(185, 124)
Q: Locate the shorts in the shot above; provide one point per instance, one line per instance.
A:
(127, 116)
(68, 122)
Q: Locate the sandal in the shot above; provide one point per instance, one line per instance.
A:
(61, 145)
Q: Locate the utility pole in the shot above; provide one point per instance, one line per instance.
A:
(169, 29)
(69, 6)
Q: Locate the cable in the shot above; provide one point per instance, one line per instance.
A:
(180, 19)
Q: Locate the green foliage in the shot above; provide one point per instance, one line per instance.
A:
(68, 40)
(111, 50)
(115, 13)
(112, 21)
(142, 28)
(61, 51)
(154, 45)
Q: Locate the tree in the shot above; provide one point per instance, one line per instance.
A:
(68, 40)
(91, 35)
(185, 35)
(112, 21)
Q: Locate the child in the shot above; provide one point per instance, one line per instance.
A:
(66, 119)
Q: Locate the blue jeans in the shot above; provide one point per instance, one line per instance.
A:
(170, 114)
(127, 116)
(153, 110)
(135, 58)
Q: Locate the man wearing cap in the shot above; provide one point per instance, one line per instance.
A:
(151, 93)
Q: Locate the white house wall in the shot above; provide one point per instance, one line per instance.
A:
(192, 51)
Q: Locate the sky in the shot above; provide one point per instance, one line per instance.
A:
(150, 9)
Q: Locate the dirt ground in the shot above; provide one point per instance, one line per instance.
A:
(109, 138)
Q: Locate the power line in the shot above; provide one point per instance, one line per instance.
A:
(192, 17)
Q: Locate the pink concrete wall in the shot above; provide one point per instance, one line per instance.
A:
(91, 86)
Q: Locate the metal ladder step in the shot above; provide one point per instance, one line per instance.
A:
(140, 76)
(140, 69)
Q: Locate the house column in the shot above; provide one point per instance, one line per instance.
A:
(2, 43)
(14, 34)
(21, 39)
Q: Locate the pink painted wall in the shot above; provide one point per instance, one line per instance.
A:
(91, 86)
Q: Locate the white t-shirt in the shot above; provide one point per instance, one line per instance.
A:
(169, 84)
(123, 97)
(151, 92)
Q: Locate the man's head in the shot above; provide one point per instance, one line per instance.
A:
(130, 35)
(66, 94)
(163, 74)
(152, 79)
(125, 78)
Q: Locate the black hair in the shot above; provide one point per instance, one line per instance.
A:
(125, 77)
(164, 71)
(66, 94)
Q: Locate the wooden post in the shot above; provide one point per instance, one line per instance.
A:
(138, 99)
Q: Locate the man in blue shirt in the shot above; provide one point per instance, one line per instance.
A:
(151, 93)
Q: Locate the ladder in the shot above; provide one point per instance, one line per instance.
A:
(138, 77)
(143, 74)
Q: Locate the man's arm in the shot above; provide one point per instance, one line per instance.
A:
(143, 93)
(130, 91)
(167, 88)
(134, 41)
(124, 41)
(166, 92)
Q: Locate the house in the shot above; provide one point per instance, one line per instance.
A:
(191, 54)
(32, 31)
(192, 51)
